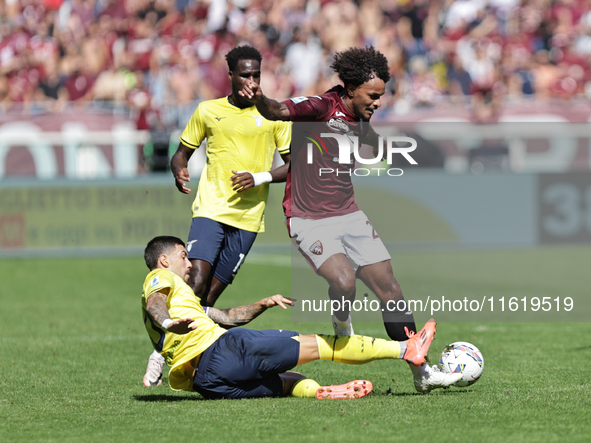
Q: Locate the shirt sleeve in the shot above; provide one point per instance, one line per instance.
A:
(159, 281)
(307, 109)
(283, 136)
(194, 132)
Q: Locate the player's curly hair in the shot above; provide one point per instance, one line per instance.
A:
(158, 246)
(242, 53)
(356, 66)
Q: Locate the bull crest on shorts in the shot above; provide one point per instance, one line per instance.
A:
(316, 248)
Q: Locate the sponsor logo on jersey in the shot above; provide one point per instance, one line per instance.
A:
(339, 114)
(316, 248)
(297, 100)
(155, 281)
(338, 124)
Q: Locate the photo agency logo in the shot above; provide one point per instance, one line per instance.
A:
(349, 154)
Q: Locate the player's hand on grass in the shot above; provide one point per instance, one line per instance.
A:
(180, 177)
(182, 326)
(277, 300)
(242, 180)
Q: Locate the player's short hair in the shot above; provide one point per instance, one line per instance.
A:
(158, 246)
(356, 66)
(242, 53)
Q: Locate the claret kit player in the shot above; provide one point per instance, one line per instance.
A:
(323, 218)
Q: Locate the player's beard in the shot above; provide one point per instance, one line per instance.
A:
(367, 119)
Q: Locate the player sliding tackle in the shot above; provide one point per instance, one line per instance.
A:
(323, 219)
(242, 363)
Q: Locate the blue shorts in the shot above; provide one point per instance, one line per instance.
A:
(244, 363)
(224, 247)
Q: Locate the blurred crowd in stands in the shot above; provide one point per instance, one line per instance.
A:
(159, 58)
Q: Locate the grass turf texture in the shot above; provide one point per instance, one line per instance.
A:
(73, 353)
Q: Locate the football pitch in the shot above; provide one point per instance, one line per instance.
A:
(73, 353)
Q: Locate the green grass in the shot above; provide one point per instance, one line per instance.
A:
(73, 351)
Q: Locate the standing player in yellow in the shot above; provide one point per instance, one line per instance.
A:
(228, 210)
(233, 188)
(245, 363)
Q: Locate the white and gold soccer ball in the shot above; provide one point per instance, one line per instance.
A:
(462, 357)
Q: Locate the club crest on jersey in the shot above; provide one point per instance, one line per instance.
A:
(258, 120)
(316, 248)
(338, 124)
(155, 281)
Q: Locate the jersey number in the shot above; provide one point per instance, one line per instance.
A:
(239, 263)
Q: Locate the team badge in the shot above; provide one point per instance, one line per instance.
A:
(316, 248)
(258, 120)
(190, 244)
(155, 281)
(338, 125)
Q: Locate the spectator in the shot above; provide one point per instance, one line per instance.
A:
(453, 51)
(303, 47)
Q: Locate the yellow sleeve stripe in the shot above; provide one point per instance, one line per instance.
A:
(284, 149)
(189, 145)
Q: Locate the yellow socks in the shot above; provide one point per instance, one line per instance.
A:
(305, 388)
(352, 350)
(356, 349)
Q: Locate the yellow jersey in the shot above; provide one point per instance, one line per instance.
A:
(239, 140)
(179, 349)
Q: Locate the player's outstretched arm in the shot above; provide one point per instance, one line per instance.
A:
(156, 308)
(243, 180)
(269, 108)
(178, 166)
(241, 315)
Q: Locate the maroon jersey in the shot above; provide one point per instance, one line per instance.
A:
(311, 190)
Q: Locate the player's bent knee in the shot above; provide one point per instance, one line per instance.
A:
(343, 287)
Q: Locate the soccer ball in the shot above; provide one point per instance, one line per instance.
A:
(462, 357)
